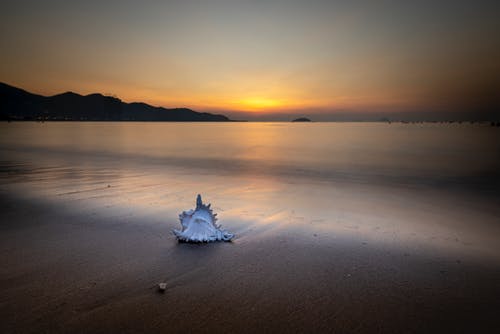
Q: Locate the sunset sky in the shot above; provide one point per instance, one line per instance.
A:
(259, 57)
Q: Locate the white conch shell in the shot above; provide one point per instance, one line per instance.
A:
(199, 225)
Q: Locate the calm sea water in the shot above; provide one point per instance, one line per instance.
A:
(404, 184)
(359, 152)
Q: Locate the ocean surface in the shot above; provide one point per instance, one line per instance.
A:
(359, 152)
(412, 185)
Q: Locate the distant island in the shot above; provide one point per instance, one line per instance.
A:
(19, 105)
(302, 119)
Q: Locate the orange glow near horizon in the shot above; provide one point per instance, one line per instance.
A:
(256, 57)
(259, 104)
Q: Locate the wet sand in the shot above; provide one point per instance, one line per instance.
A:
(78, 267)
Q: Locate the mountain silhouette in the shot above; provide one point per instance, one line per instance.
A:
(301, 119)
(18, 104)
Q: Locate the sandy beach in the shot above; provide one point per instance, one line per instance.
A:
(84, 246)
(78, 267)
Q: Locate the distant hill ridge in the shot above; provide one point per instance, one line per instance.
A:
(18, 104)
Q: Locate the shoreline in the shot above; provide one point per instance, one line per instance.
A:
(336, 229)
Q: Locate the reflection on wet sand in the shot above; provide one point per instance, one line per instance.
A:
(257, 207)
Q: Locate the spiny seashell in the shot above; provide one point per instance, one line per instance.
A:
(199, 225)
